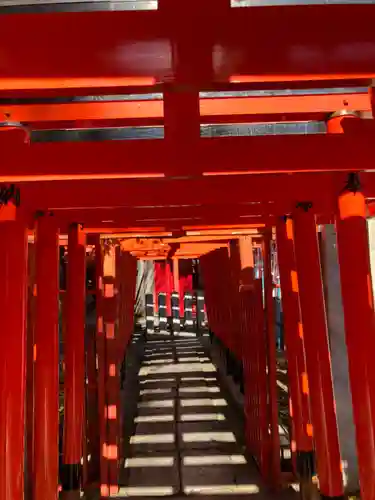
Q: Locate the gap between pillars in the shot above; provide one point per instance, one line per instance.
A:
(318, 361)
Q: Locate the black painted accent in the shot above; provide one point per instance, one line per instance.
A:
(162, 307)
(150, 324)
(305, 463)
(70, 477)
(175, 303)
(188, 311)
(199, 309)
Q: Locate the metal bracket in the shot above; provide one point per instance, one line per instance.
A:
(10, 193)
(353, 183)
(305, 205)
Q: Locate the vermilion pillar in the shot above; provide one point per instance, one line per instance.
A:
(46, 360)
(318, 362)
(74, 353)
(176, 276)
(247, 261)
(358, 305)
(113, 358)
(30, 324)
(271, 355)
(13, 282)
(101, 361)
(298, 382)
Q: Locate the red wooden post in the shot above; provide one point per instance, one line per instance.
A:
(92, 416)
(275, 471)
(74, 351)
(262, 382)
(255, 374)
(13, 279)
(318, 360)
(299, 390)
(30, 415)
(101, 360)
(358, 305)
(176, 276)
(163, 281)
(247, 261)
(46, 360)
(207, 291)
(111, 326)
(129, 275)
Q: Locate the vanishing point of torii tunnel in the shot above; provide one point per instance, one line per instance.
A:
(228, 148)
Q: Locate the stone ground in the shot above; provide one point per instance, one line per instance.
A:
(183, 434)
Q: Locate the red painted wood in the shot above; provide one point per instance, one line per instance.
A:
(13, 276)
(255, 376)
(156, 157)
(275, 470)
(318, 361)
(358, 305)
(142, 52)
(102, 373)
(46, 362)
(164, 281)
(74, 377)
(299, 393)
(189, 108)
(322, 189)
(111, 318)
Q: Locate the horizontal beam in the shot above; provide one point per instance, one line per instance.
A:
(208, 156)
(211, 109)
(72, 87)
(180, 216)
(231, 224)
(219, 190)
(87, 125)
(243, 44)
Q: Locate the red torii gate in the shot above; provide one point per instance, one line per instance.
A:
(222, 180)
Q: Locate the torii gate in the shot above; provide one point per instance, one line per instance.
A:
(114, 186)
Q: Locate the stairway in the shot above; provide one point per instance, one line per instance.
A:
(182, 436)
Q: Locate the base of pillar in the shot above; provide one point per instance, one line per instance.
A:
(70, 476)
(305, 464)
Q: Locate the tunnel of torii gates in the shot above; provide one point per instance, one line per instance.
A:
(193, 195)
